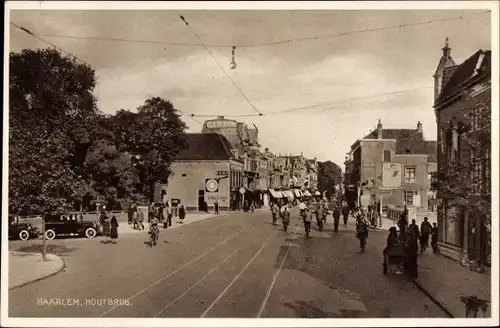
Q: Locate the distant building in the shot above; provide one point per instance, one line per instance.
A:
(205, 171)
(460, 91)
(392, 166)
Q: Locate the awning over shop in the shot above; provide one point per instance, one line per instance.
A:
(275, 194)
(287, 193)
(307, 193)
(297, 192)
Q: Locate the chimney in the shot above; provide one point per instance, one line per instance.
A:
(419, 127)
(220, 117)
(379, 130)
(266, 150)
(301, 154)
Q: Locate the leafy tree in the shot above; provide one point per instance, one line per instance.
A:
(49, 96)
(329, 175)
(153, 136)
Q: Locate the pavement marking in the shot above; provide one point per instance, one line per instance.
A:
(172, 273)
(203, 278)
(237, 276)
(264, 302)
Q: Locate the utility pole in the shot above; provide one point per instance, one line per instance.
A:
(44, 248)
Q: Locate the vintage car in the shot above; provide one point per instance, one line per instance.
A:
(22, 230)
(69, 224)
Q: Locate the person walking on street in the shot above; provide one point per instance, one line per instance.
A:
(308, 217)
(275, 211)
(361, 232)
(414, 234)
(140, 219)
(104, 221)
(345, 214)
(403, 223)
(285, 217)
(182, 214)
(434, 237)
(336, 219)
(425, 230)
(216, 207)
(114, 229)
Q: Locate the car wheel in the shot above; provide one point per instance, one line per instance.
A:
(50, 234)
(90, 233)
(24, 235)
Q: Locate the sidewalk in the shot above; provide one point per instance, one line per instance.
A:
(126, 228)
(446, 280)
(25, 268)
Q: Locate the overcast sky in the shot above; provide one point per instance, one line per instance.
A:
(274, 78)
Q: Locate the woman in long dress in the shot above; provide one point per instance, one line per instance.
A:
(113, 234)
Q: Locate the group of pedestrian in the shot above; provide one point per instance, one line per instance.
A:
(108, 227)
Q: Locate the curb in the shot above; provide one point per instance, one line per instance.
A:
(439, 304)
(61, 268)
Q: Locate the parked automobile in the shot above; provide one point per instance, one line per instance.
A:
(21, 230)
(69, 224)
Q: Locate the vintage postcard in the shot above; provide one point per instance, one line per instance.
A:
(250, 164)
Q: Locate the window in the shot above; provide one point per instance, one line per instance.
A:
(410, 174)
(387, 155)
(408, 198)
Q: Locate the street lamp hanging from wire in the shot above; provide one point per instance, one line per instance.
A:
(232, 64)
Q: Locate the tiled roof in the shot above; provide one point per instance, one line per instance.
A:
(205, 146)
(464, 72)
(408, 141)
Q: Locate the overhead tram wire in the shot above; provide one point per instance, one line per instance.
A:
(220, 66)
(49, 43)
(326, 104)
(274, 43)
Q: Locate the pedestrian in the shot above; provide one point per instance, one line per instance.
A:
(114, 229)
(216, 207)
(104, 221)
(275, 212)
(403, 223)
(308, 217)
(131, 210)
(345, 213)
(425, 230)
(182, 214)
(285, 217)
(135, 220)
(434, 237)
(361, 232)
(140, 219)
(336, 219)
(205, 206)
(413, 234)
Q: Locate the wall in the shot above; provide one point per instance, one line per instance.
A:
(186, 187)
(421, 184)
(452, 225)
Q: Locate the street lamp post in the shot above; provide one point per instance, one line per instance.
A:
(44, 241)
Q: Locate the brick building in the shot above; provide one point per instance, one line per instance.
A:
(460, 92)
(392, 166)
(205, 171)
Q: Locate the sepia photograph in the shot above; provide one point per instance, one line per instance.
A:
(213, 163)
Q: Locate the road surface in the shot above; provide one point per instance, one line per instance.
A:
(237, 266)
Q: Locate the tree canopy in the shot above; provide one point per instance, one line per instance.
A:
(63, 151)
(329, 176)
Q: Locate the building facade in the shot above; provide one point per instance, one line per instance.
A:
(390, 166)
(460, 93)
(204, 172)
